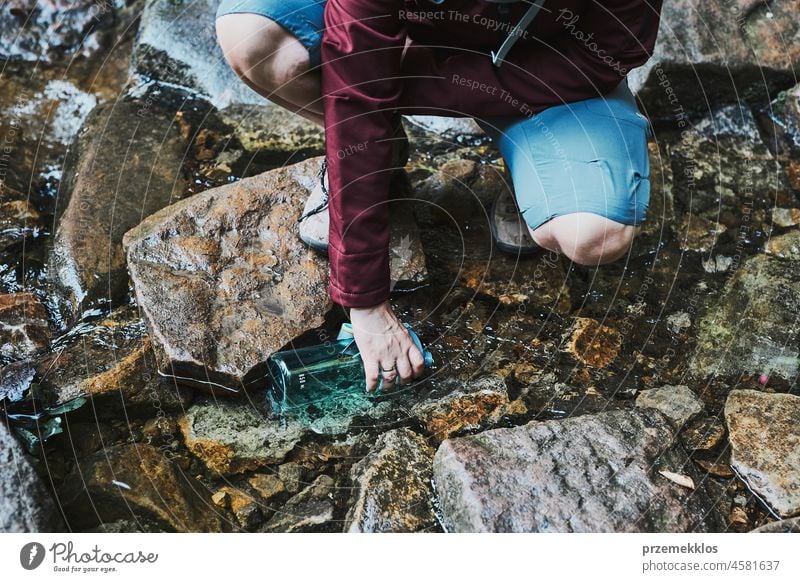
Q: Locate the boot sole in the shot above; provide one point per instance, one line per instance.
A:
(506, 247)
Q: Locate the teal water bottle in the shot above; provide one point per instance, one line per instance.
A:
(308, 376)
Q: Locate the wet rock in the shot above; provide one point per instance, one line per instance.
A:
(703, 434)
(661, 208)
(112, 362)
(458, 191)
(721, 470)
(293, 476)
(783, 526)
(786, 217)
(132, 481)
(267, 127)
(698, 234)
(593, 343)
(268, 487)
(752, 329)
(721, 163)
(233, 437)
(786, 246)
(740, 47)
(223, 280)
(246, 509)
(24, 329)
(44, 31)
(594, 473)
(19, 220)
(677, 403)
(392, 486)
(15, 379)
(472, 405)
(765, 446)
(450, 129)
(307, 511)
(128, 526)
(115, 178)
(26, 504)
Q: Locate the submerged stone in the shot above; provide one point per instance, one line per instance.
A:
(554, 476)
(308, 511)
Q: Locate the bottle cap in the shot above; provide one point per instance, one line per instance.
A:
(345, 332)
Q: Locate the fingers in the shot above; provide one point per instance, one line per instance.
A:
(416, 360)
(388, 374)
(404, 370)
(371, 374)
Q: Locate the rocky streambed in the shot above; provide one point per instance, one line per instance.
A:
(149, 265)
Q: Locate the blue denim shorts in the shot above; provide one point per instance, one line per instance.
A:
(585, 156)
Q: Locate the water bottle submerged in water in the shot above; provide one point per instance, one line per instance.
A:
(309, 376)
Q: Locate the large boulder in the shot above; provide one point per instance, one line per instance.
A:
(765, 446)
(753, 329)
(709, 52)
(126, 164)
(593, 473)
(26, 505)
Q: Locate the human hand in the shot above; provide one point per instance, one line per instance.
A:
(386, 348)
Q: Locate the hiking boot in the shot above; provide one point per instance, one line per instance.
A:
(315, 220)
(509, 230)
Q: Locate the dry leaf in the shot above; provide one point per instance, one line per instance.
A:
(682, 480)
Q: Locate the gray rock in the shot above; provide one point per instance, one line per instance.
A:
(753, 329)
(269, 127)
(593, 473)
(223, 280)
(234, 437)
(712, 51)
(133, 481)
(126, 164)
(309, 510)
(392, 486)
(677, 403)
(447, 128)
(26, 505)
(783, 526)
(765, 446)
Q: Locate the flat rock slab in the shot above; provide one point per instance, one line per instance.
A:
(130, 481)
(26, 505)
(308, 511)
(593, 473)
(223, 280)
(392, 486)
(753, 328)
(233, 437)
(677, 403)
(125, 165)
(765, 446)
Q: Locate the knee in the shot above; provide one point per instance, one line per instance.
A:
(586, 238)
(261, 50)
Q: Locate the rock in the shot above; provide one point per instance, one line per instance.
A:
(115, 178)
(223, 280)
(752, 328)
(268, 127)
(698, 234)
(786, 246)
(704, 434)
(661, 208)
(717, 469)
(783, 526)
(765, 446)
(458, 191)
(124, 481)
(292, 476)
(234, 437)
(593, 473)
(26, 504)
(15, 379)
(449, 129)
(111, 362)
(472, 405)
(19, 220)
(721, 163)
(593, 343)
(392, 486)
(309, 510)
(267, 486)
(786, 217)
(44, 31)
(24, 329)
(677, 403)
(739, 46)
(127, 526)
(246, 509)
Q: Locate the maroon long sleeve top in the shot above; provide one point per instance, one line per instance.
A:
(573, 50)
